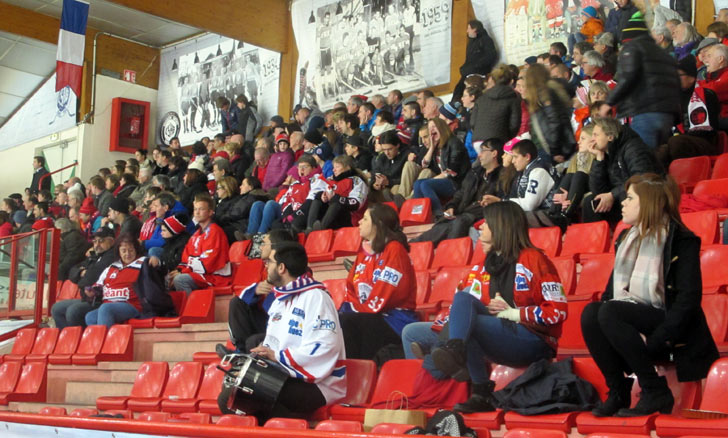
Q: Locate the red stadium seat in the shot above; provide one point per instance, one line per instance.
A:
(286, 423)
(392, 428)
(704, 224)
(65, 347)
(572, 341)
(319, 242)
(452, 252)
(83, 412)
(209, 390)
(689, 171)
(715, 307)
(709, 187)
(53, 411)
(621, 226)
(478, 257)
(594, 276)
(183, 383)
(416, 211)
(210, 356)
(31, 385)
(248, 272)
(239, 251)
(424, 286)
(393, 205)
(161, 417)
(421, 254)
(9, 375)
(119, 344)
(340, 426)
(199, 308)
(23, 345)
(361, 376)
(347, 241)
(337, 289)
(566, 266)
(502, 376)
(443, 288)
(548, 239)
(45, 342)
(237, 421)
(534, 433)
(123, 413)
(720, 168)
(589, 238)
(68, 291)
(713, 262)
(179, 298)
(90, 346)
(149, 383)
(192, 417)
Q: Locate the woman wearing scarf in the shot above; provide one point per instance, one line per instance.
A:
(655, 292)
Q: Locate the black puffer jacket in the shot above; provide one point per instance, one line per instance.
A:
(496, 114)
(647, 80)
(554, 133)
(392, 169)
(480, 55)
(626, 155)
(474, 186)
(454, 157)
(72, 251)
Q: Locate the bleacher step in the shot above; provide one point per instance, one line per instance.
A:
(36, 407)
(183, 351)
(86, 393)
(147, 340)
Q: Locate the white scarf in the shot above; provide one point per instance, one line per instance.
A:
(638, 269)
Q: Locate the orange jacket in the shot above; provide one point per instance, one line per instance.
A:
(591, 28)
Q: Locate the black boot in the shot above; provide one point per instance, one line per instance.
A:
(619, 397)
(450, 359)
(481, 400)
(656, 397)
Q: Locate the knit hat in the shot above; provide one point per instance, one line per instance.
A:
(104, 232)
(605, 39)
(450, 110)
(508, 147)
(354, 140)
(221, 154)
(19, 216)
(313, 136)
(324, 151)
(120, 204)
(177, 223)
(706, 42)
(636, 27)
(531, 60)
(590, 12)
(87, 206)
(361, 96)
(282, 137)
(688, 65)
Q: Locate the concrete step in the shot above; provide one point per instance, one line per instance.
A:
(36, 407)
(145, 340)
(183, 351)
(86, 393)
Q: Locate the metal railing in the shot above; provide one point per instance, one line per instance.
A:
(48, 175)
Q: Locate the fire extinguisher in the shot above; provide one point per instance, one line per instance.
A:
(135, 126)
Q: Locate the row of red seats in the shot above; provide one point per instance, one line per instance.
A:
(70, 345)
(26, 383)
(688, 172)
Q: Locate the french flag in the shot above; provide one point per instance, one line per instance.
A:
(71, 44)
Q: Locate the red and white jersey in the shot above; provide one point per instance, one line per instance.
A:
(205, 257)
(118, 282)
(353, 188)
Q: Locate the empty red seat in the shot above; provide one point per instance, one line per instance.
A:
(572, 341)
(713, 263)
(66, 345)
(237, 421)
(183, 383)
(478, 257)
(548, 239)
(720, 168)
(161, 417)
(31, 385)
(9, 375)
(704, 224)
(361, 376)
(709, 187)
(89, 348)
(192, 417)
(68, 291)
(534, 433)
(239, 251)
(45, 342)
(347, 241)
(119, 344)
(715, 307)
(337, 289)
(621, 226)
(452, 252)
(340, 426)
(250, 271)
(443, 288)
(424, 286)
(392, 428)
(210, 356)
(319, 242)
(209, 390)
(23, 345)
(689, 171)
(416, 211)
(421, 254)
(149, 383)
(53, 411)
(566, 267)
(199, 308)
(594, 276)
(286, 423)
(588, 238)
(83, 412)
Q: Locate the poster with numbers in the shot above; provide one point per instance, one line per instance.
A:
(368, 47)
(195, 73)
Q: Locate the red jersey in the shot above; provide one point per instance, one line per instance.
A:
(118, 282)
(205, 257)
(42, 223)
(718, 82)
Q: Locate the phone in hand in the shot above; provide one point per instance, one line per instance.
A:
(594, 204)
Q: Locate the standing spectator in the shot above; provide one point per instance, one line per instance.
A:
(101, 197)
(228, 118)
(480, 56)
(497, 113)
(249, 121)
(619, 17)
(662, 14)
(38, 171)
(73, 247)
(394, 100)
(648, 88)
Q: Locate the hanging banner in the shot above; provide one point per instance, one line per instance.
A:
(369, 47)
(195, 73)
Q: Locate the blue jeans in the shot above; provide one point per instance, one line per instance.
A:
(434, 188)
(185, 282)
(491, 339)
(653, 128)
(421, 332)
(70, 313)
(156, 251)
(111, 313)
(262, 215)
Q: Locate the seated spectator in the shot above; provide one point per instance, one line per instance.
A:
(575, 182)
(294, 173)
(73, 312)
(323, 154)
(42, 218)
(577, 55)
(663, 38)
(6, 226)
(380, 288)
(205, 261)
(279, 163)
(200, 155)
(176, 173)
(497, 112)
(448, 159)
(331, 202)
(111, 183)
(591, 25)
(127, 184)
(715, 58)
(141, 156)
(387, 169)
(651, 307)
(239, 160)
(296, 138)
(597, 92)
(72, 249)
(89, 218)
(686, 40)
(130, 287)
(354, 147)
(101, 197)
(412, 121)
(509, 312)
(604, 45)
(195, 182)
(175, 235)
(261, 159)
(145, 181)
(8, 206)
(619, 154)
(121, 218)
(567, 78)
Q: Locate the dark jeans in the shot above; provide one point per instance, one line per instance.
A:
(612, 333)
(332, 214)
(244, 321)
(687, 146)
(447, 229)
(491, 339)
(71, 313)
(365, 334)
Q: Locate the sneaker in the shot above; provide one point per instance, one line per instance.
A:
(450, 360)
(222, 350)
(618, 398)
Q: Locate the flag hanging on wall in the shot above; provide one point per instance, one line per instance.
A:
(71, 44)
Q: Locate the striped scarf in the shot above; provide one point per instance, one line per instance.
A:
(638, 269)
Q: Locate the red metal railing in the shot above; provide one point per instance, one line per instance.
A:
(48, 175)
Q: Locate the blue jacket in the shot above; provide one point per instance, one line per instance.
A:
(157, 241)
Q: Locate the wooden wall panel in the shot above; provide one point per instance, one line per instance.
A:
(704, 11)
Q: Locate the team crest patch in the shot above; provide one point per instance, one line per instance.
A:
(520, 269)
(276, 317)
(521, 284)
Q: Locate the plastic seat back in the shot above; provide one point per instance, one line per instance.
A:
(720, 168)
(714, 398)
(347, 241)
(715, 307)
(9, 375)
(621, 226)
(237, 421)
(184, 380)
(535, 433)
(361, 376)
(92, 340)
(53, 411)
(548, 239)
(68, 291)
(200, 306)
(319, 242)
(287, 423)
(391, 428)
(587, 369)
(68, 340)
(478, 257)
(704, 224)
(446, 283)
(248, 272)
(150, 380)
(340, 426)
(566, 267)
(193, 417)
(211, 383)
(709, 187)
(595, 272)
(32, 379)
(160, 417)
(396, 375)
(688, 171)
(424, 286)
(24, 341)
(392, 205)
(421, 254)
(239, 250)
(83, 412)
(571, 336)
(45, 341)
(416, 211)
(453, 252)
(119, 343)
(713, 262)
(337, 289)
(589, 238)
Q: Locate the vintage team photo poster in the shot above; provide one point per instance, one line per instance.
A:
(369, 47)
(194, 74)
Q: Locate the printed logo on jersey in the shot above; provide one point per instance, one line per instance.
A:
(360, 268)
(324, 324)
(475, 289)
(388, 275)
(295, 328)
(364, 291)
(521, 284)
(520, 269)
(276, 317)
(299, 312)
(112, 275)
(553, 291)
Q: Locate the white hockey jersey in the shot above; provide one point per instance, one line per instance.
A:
(305, 334)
